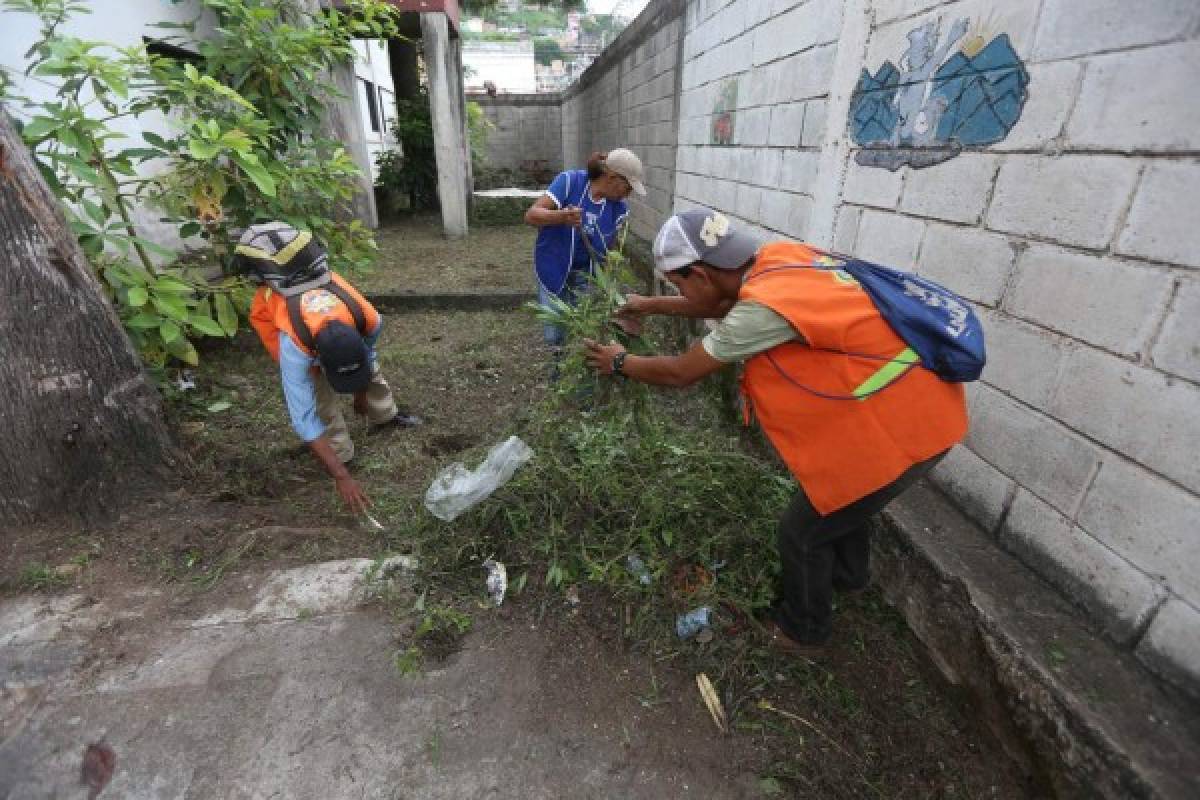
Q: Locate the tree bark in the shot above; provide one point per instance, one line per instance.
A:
(81, 428)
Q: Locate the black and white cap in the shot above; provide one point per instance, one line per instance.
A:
(700, 235)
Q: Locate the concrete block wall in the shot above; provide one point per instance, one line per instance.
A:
(1078, 241)
(1076, 236)
(629, 98)
(526, 130)
(778, 59)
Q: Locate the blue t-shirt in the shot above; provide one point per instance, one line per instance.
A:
(559, 249)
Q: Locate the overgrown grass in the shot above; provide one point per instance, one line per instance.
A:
(498, 211)
(619, 473)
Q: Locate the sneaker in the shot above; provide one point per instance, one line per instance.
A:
(402, 420)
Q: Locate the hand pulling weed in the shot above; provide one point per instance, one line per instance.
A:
(591, 317)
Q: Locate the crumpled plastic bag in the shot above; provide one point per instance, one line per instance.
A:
(456, 489)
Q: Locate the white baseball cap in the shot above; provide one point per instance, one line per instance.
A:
(624, 163)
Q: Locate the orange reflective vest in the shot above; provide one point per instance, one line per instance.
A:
(318, 307)
(845, 425)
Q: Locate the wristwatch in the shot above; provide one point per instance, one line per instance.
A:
(618, 364)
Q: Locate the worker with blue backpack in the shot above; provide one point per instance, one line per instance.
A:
(322, 332)
(853, 371)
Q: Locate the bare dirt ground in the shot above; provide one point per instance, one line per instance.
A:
(868, 718)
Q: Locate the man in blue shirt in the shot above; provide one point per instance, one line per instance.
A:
(340, 360)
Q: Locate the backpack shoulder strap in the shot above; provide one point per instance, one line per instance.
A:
(299, 326)
(287, 291)
(360, 319)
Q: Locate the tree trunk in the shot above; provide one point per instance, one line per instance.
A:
(80, 426)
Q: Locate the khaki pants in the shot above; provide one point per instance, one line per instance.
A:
(380, 409)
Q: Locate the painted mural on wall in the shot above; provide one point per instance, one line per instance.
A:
(724, 116)
(936, 103)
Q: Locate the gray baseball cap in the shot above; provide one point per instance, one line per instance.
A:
(700, 235)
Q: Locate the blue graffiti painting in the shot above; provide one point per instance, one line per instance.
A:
(936, 106)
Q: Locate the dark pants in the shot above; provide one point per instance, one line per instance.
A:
(823, 553)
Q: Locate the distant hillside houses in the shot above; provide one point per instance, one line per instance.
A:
(508, 66)
(515, 50)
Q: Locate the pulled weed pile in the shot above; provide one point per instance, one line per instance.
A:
(651, 498)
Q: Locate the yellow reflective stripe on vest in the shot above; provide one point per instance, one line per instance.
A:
(887, 373)
(283, 256)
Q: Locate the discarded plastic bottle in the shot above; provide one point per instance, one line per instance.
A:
(497, 580)
(689, 624)
(638, 568)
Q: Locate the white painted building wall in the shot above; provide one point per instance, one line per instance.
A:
(132, 26)
(18, 31)
(377, 97)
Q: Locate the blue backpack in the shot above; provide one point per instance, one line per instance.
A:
(937, 324)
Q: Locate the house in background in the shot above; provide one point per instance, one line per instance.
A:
(376, 98)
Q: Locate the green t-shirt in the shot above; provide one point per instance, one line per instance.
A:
(747, 330)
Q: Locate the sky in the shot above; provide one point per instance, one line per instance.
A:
(626, 8)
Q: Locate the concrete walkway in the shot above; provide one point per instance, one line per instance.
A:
(288, 690)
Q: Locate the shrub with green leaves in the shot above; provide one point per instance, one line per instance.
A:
(244, 146)
(280, 59)
(415, 172)
(411, 172)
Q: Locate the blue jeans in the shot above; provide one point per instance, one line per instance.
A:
(554, 335)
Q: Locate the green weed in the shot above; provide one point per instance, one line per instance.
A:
(437, 634)
(443, 622)
(591, 317)
(209, 575)
(40, 577)
(433, 746)
(409, 661)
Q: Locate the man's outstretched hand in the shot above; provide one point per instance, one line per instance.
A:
(352, 494)
(348, 489)
(600, 356)
(629, 316)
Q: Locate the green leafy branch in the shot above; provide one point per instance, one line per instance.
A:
(245, 146)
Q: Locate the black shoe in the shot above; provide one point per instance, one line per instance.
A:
(401, 420)
(850, 587)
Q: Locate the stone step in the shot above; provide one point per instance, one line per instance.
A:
(1080, 714)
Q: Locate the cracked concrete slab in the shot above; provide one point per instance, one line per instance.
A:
(295, 694)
